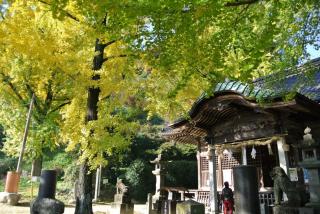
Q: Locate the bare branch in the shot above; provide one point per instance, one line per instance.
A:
(241, 2)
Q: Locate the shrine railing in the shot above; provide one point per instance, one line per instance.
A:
(203, 197)
(265, 197)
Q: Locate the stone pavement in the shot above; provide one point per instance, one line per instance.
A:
(97, 209)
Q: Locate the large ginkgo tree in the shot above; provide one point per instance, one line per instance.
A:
(60, 62)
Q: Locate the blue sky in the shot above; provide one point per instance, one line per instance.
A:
(313, 52)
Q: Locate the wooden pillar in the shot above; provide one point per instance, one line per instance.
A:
(199, 165)
(213, 180)
(220, 174)
(283, 159)
(244, 156)
(283, 156)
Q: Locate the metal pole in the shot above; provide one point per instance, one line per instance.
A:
(24, 140)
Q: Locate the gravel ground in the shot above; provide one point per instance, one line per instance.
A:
(23, 208)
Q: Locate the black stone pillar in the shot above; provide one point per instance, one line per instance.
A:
(48, 182)
(46, 203)
(246, 193)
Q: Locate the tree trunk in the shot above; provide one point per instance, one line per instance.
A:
(84, 191)
(84, 187)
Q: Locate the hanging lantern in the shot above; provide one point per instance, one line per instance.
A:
(253, 153)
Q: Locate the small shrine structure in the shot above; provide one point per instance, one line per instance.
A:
(254, 124)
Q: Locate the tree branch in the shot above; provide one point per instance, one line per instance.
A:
(49, 96)
(2, 16)
(59, 106)
(241, 2)
(104, 45)
(110, 43)
(240, 14)
(68, 14)
(6, 79)
(112, 57)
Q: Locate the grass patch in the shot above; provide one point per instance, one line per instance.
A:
(29, 190)
(1, 185)
(25, 188)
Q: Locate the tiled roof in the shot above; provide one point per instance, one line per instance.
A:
(304, 80)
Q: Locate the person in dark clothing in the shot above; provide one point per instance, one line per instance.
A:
(227, 198)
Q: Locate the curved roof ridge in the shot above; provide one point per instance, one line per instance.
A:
(259, 89)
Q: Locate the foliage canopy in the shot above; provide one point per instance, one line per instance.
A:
(159, 55)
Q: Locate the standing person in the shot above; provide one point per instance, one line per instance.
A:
(227, 198)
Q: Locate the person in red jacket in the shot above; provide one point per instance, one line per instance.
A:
(227, 198)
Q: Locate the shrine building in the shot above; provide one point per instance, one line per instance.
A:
(261, 124)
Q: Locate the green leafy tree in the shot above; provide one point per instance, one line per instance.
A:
(140, 179)
(171, 151)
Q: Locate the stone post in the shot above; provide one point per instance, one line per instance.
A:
(190, 207)
(149, 204)
(46, 203)
(246, 194)
(48, 181)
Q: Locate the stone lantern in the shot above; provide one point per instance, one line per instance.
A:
(159, 172)
(311, 162)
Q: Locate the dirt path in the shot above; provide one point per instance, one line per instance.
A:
(24, 209)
